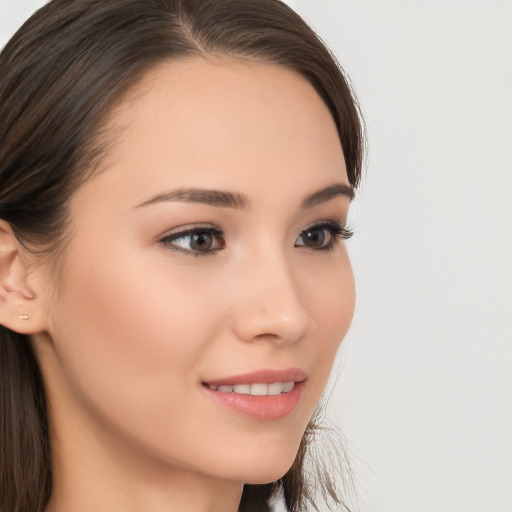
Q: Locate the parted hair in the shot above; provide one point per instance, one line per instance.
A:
(61, 75)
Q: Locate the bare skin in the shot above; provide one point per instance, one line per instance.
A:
(140, 322)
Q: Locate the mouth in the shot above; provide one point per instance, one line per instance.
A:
(256, 389)
(262, 395)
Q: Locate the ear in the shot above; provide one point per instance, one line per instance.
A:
(20, 301)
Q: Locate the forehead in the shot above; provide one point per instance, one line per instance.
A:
(225, 124)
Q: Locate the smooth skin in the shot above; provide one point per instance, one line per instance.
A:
(144, 312)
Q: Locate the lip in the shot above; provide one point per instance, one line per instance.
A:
(262, 408)
(264, 376)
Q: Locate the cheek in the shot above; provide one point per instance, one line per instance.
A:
(332, 302)
(333, 297)
(129, 339)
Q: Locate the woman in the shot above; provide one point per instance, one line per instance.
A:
(175, 177)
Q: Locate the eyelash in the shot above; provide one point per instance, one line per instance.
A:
(337, 232)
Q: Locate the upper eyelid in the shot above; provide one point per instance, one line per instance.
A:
(193, 228)
(190, 229)
(340, 228)
(325, 222)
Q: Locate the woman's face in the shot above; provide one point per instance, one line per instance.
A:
(207, 252)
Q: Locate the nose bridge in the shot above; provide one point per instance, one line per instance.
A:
(271, 304)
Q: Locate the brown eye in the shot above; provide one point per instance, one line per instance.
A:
(322, 236)
(201, 241)
(315, 238)
(195, 241)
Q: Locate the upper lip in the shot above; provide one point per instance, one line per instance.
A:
(264, 376)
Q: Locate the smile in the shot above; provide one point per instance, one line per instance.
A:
(256, 389)
(263, 395)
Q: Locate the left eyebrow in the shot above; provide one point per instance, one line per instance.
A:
(328, 193)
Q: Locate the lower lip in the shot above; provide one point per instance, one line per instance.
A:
(265, 408)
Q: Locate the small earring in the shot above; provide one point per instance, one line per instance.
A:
(23, 317)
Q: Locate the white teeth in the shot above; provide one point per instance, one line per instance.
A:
(288, 386)
(275, 389)
(242, 389)
(257, 389)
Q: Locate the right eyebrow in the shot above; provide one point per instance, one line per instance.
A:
(217, 198)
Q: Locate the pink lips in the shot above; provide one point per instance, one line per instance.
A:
(264, 376)
(265, 408)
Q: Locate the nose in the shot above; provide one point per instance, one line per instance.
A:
(271, 303)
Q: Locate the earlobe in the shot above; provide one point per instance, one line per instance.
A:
(19, 302)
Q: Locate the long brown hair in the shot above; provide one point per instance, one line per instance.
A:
(60, 76)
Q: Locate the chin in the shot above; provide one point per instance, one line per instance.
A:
(268, 468)
(264, 457)
(266, 477)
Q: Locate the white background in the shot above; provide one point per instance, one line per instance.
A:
(424, 388)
